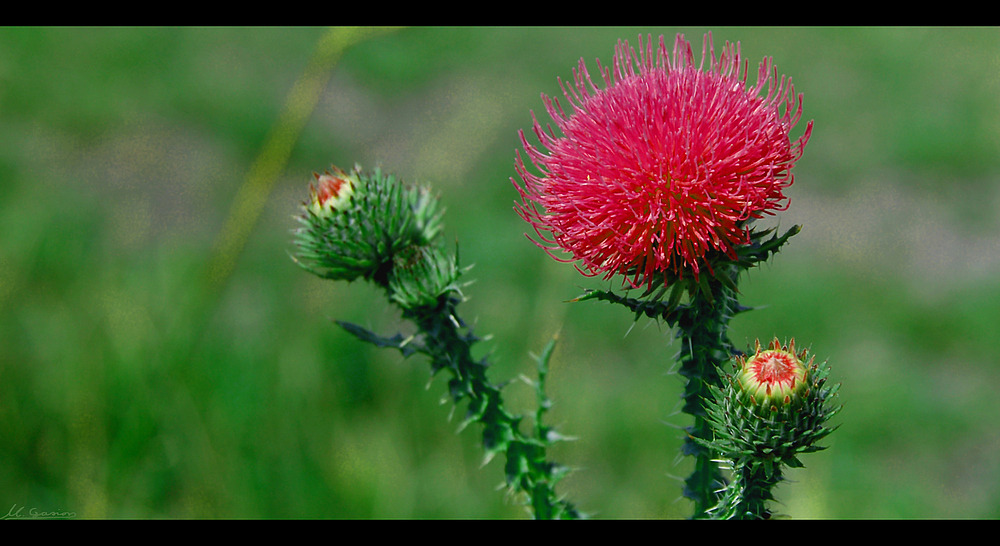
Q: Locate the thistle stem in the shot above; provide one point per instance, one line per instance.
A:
(702, 326)
(705, 348)
(526, 468)
(747, 496)
(441, 337)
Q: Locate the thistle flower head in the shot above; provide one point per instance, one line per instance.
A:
(662, 169)
(773, 377)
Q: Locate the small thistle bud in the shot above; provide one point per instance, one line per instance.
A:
(357, 224)
(773, 377)
(773, 407)
(333, 192)
(421, 275)
(779, 401)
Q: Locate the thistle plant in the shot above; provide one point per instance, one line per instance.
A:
(371, 226)
(658, 178)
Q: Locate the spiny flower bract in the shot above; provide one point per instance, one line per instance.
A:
(663, 166)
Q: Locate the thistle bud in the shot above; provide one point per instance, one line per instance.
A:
(421, 275)
(358, 224)
(774, 405)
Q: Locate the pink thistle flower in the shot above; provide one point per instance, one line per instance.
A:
(664, 165)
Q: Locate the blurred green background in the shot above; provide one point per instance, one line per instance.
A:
(133, 384)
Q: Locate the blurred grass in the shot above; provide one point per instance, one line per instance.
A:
(130, 388)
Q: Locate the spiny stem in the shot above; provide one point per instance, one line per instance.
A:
(702, 326)
(748, 495)
(443, 340)
(526, 467)
(705, 348)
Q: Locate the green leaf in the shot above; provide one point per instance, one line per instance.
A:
(404, 345)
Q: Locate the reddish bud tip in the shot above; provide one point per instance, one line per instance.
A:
(333, 192)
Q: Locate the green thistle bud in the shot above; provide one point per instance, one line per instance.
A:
(356, 224)
(774, 406)
(421, 275)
